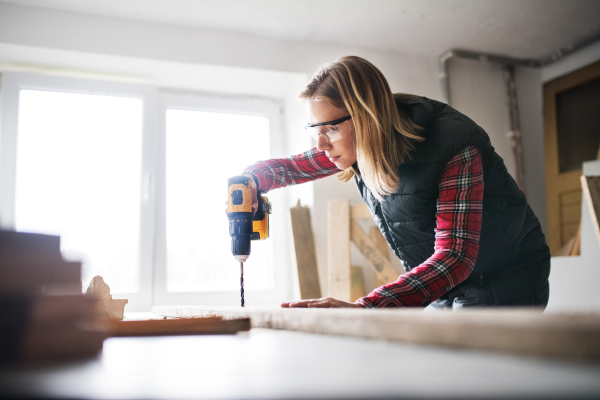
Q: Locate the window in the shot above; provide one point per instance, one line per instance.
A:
(205, 141)
(133, 179)
(78, 176)
(203, 150)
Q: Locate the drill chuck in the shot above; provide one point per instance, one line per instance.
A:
(240, 230)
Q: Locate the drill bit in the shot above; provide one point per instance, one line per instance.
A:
(242, 282)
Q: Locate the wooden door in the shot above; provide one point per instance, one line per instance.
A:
(572, 135)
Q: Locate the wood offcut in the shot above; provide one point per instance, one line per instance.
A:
(206, 325)
(380, 263)
(343, 230)
(304, 247)
(107, 307)
(382, 245)
(338, 252)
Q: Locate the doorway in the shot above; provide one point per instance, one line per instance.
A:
(571, 136)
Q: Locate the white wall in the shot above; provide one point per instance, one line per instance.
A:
(478, 91)
(98, 47)
(529, 97)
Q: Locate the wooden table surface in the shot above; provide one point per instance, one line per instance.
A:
(275, 364)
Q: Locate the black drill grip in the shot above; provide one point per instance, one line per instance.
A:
(259, 215)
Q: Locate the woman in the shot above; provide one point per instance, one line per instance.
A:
(436, 188)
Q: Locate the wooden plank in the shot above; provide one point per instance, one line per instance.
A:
(28, 274)
(357, 284)
(32, 263)
(206, 325)
(59, 344)
(338, 254)
(571, 213)
(53, 331)
(576, 250)
(304, 248)
(358, 211)
(521, 331)
(382, 267)
(379, 241)
(32, 245)
(567, 249)
(570, 197)
(591, 192)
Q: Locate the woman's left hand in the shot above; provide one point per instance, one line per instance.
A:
(326, 302)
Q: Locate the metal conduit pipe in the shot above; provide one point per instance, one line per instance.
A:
(445, 58)
(508, 64)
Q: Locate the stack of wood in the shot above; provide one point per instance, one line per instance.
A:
(42, 307)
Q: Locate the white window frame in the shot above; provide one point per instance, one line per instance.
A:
(271, 109)
(152, 229)
(12, 84)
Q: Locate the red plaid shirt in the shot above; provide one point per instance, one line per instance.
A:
(456, 235)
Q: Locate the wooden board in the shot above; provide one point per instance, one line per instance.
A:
(29, 274)
(357, 283)
(304, 247)
(32, 263)
(358, 211)
(379, 241)
(382, 267)
(521, 331)
(591, 192)
(206, 325)
(338, 253)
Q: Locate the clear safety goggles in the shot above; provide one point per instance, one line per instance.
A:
(330, 130)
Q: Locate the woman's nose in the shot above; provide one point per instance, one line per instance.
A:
(322, 143)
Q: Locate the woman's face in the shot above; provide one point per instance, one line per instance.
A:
(341, 152)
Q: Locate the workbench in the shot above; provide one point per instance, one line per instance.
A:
(277, 364)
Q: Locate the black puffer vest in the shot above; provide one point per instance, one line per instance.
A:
(510, 232)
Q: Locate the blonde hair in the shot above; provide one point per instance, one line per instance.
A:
(383, 132)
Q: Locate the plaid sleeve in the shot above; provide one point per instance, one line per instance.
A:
(456, 239)
(280, 172)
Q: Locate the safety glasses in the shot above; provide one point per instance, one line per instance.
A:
(330, 130)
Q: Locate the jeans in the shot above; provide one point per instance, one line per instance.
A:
(526, 285)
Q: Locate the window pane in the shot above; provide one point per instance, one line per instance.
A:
(78, 176)
(203, 150)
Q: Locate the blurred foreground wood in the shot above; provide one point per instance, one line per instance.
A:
(522, 331)
(41, 303)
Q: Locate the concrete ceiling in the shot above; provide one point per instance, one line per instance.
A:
(515, 28)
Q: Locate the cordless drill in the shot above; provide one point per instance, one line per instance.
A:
(245, 223)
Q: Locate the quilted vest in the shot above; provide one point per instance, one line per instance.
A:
(510, 232)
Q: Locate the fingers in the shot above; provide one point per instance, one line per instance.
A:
(254, 192)
(254, 198)
(326, 302)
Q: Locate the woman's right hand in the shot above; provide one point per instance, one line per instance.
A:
(254, 192)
